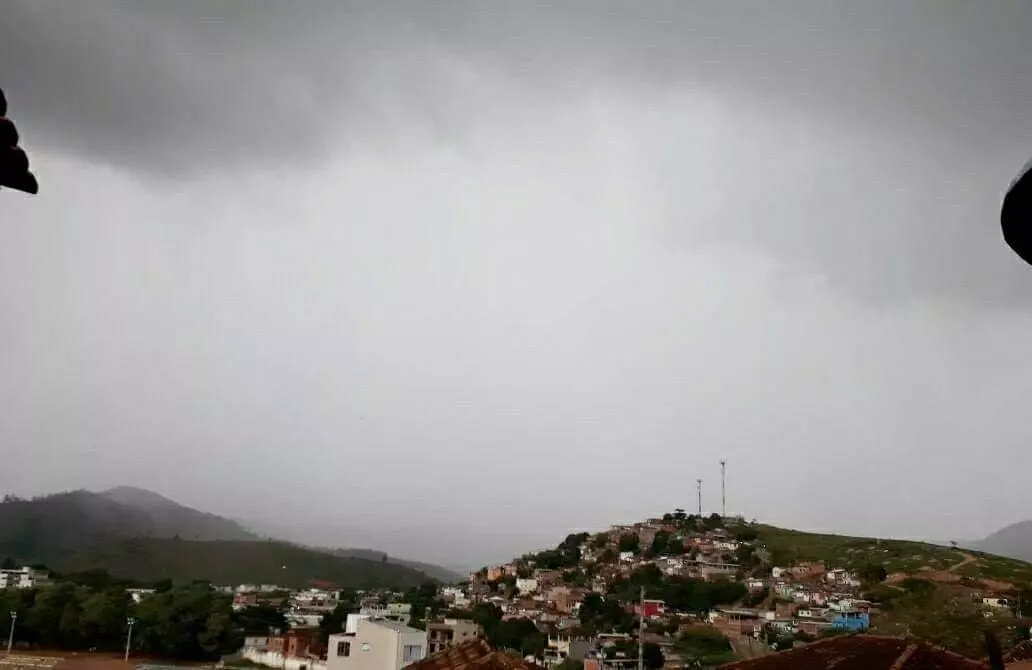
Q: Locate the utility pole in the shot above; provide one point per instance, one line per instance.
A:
(129, 637)
(698, 485)
(723, 488)
(641, 631)
(10, 636)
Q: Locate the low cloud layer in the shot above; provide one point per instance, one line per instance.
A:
(502, 272)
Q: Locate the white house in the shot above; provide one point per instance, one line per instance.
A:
(375, 644)
(526, 585)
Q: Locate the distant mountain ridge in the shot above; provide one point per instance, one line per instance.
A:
(141, 535)
(1013, 541)
(438, 572)
(169, 518)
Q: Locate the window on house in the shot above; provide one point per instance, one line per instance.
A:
(412, 652)
(343, 649)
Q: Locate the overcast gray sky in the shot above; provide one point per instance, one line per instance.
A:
(454, 279)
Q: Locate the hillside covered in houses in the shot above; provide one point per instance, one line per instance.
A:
(748, 589)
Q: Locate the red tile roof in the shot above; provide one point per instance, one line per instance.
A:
(472, 655)
(861, 652)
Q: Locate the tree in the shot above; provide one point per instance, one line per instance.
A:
(629, 542)
(189, 622)
(424, 602)
(8, 564)
(660, 543)
(653, 656)
(873, 573)
(262, 620)
(103, 618)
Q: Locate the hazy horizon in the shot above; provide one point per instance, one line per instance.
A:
(452, 281)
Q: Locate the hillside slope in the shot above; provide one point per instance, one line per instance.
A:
(234, 562)
(439, 573)
(904, 557)
(169, 518)
(141, 535)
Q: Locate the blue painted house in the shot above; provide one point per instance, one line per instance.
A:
(853, 620)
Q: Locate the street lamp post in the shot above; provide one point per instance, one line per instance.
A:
(10, 636)
(129, 637)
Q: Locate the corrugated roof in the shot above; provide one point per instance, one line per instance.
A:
(861, 652)
(473, 655)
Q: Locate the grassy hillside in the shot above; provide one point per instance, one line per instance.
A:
(149, 559)
(897, 556)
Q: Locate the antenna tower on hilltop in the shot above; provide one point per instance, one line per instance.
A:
(723, 488)
(698, 485)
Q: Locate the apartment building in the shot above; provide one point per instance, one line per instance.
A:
(375, 644)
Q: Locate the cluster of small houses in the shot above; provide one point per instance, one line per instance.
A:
(804, 598)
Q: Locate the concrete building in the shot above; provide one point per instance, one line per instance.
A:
(400, 612)
(450, 632)
(563, 647)
(526, 586)
(21, 578)
(375, 644)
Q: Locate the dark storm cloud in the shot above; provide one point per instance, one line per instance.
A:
(938, 93)
(192, 85)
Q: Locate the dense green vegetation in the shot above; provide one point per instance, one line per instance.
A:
(190, 622)
(145, 559)
(704, 647)
(931, 612)
(516, 635)
(680, 593)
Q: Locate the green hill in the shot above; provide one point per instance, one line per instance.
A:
(228, 562)
(140, 535)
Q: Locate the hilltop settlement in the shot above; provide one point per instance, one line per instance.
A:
(677, 591)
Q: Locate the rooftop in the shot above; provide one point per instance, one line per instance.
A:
(474, 655)
(861, 652)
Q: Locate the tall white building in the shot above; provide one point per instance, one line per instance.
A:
(375, 644)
